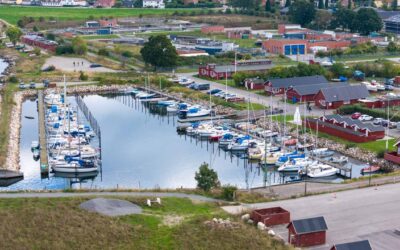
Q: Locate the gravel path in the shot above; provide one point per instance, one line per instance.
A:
(111, 207)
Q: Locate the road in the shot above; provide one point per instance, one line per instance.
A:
(274, 101)
(368, 213)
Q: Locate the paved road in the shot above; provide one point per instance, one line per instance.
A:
(275, 101)
(369, 213)
(142, 194)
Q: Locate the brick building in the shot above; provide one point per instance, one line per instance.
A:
(40, 42)
(212, 29)
(286, 46)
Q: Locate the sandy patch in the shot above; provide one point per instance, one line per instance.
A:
(67, 64)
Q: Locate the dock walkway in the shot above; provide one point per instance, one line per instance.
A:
(44, 164)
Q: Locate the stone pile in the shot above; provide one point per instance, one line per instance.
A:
(221, 223)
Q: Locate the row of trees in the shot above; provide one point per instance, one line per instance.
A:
(364, 21)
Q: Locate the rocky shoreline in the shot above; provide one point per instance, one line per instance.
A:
(10, 64)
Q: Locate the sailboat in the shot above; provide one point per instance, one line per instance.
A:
(69, 164)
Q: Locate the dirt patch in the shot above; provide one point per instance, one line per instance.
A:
(73, 64)
(172, 220)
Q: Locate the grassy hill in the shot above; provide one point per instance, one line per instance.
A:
(12, 14)
(59, 223)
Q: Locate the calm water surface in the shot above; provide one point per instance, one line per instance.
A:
(140, 149)
(3, 66)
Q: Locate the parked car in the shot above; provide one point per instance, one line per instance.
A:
(22, 86)
(32, 85)
(377, 121)
(95, 65)
(356, 115)
(365, 118)
(392, 125)
(213, 91)
(220, 94)
(202, 86)
(191, 85)
(389, 87)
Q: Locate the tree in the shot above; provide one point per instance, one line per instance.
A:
(245, 4)
(367, 21)
(323, 19)
(13, 34)
(302, 12)
(37, 51)
(349, 4)
(103, 52)
(392, 47)
(394, 4)
(206, 178)
(321, 4)
(288, 3)
(327, 4)
(79, 46)
(343, 18)
(35, 28)
(159, 52)
(268, 6)
(51, 36)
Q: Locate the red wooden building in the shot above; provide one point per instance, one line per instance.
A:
(334, 97)
(306, 93)
(356, 245)
(280, 85)
(39, 41)
(221, 71)
(346, 128)
(395, 155)
(254, 83)
(307, 232)
(271, 216)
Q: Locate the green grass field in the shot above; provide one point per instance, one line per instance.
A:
(59, 223)
(12, 14)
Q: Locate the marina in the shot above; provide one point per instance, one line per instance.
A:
(133, 133)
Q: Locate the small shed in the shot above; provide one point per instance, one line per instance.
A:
(254, 83)
(356, 245)
(271, 216)
(307, 232)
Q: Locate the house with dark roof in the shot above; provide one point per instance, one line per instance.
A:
(334, 97)
(346, 128)
(306, 93)
(356, 245)
(222, 71)
(307, 232)
(280, 85)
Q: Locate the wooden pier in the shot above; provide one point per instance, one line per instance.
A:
(44, 164)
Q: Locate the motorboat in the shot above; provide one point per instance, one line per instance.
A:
(296, 165)
(197, 112)
(35, 145)
(270, 158)
(321, 170)
(322, 152)
(240, 144)
(166, 103)
(290, 156)
(74, 167)
(370, 170)
(339, 160)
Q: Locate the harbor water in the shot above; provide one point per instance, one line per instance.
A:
(142, 149)
(3, 66)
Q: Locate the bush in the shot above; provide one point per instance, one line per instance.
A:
(350, 145)
(13, 79)
(103, 52)
(83, 76)
(127, 54)
(228, 192)
(64, 49)
(380, 153)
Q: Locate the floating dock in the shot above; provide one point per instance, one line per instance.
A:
(8, 177)
(44, 164)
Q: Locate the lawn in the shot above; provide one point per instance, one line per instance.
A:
(13, 13)
(59, 223)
